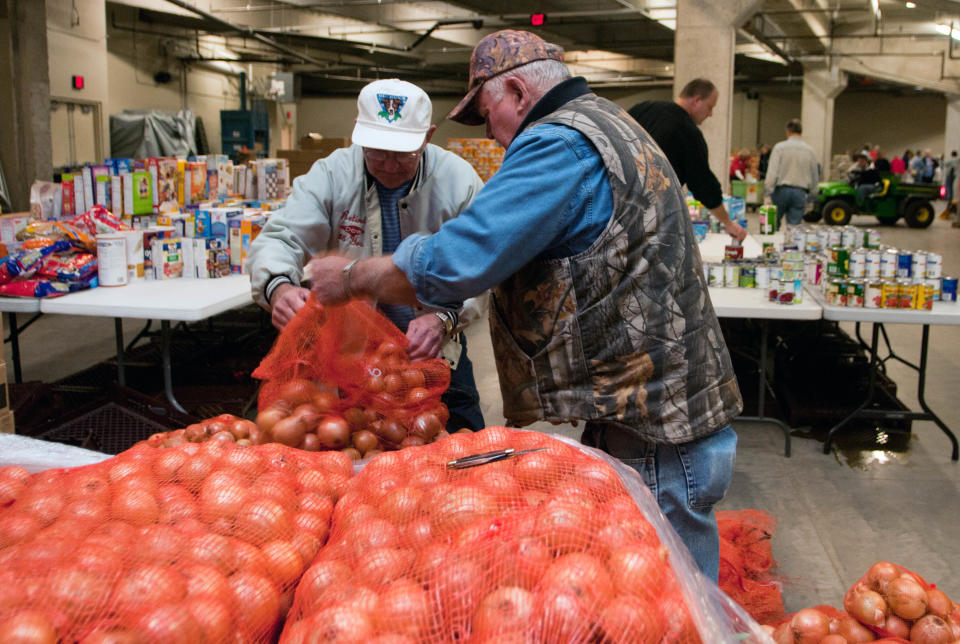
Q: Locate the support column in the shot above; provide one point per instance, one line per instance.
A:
(951, 134)
(821, 86)
(704, 48)
(26, 151)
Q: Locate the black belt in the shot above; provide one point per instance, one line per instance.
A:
(787, 186)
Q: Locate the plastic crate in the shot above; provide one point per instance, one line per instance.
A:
(116, 422)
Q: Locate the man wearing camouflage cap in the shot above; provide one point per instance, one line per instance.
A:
(599, 310)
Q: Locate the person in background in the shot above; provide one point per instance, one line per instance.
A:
(739, 166)
(950, 169)
(674, 126)
(916, 167)
(930, 166)
(792, 176)
(362, 201)
(863, 177)
(898, 166)
(599, 309)
(763, 161)
(880, 163)
(874, 152)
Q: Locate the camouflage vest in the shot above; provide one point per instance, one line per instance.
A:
(623, 332)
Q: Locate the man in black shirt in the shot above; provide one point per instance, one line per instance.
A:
(673, 125)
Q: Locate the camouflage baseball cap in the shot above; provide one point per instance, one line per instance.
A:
(499, 52)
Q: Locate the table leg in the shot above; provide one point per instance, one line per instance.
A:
(762, 391)
(118, 331)
(15, 347)
(921, 385)
(167, 371)
(872, 382)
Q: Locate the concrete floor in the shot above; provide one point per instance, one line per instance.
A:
(837, 513)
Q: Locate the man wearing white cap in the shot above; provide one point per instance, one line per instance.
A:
(363, 201)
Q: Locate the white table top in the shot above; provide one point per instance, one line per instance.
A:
(942, 313)
(753, 303)
(187, 300)
(19, 304)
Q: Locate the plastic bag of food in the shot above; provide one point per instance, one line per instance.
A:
(98, 221)
(68, 267)
(895, 602)
(345, 370)
(506, 536)
(25, 262)
(58, 230)
(199, 543)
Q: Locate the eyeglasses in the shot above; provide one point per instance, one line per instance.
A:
(382, 155)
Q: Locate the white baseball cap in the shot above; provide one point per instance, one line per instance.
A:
(392, 115)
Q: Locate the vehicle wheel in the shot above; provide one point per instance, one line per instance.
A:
(811, 216)
(919, 214)
(837, 212)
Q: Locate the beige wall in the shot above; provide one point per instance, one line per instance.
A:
(895, 123)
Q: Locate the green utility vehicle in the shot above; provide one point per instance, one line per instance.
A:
(837, 201)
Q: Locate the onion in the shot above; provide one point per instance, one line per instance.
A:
(333, 432)
(907, 598)
(426, 426)
(931, 630)
(881, 574)
(364, 441)
(290, 431)
(896, 626)
(809, 626)
(853, 631)
(938, 603)
(783, 634)
(834, 639)
(269, 417)
(867, 607)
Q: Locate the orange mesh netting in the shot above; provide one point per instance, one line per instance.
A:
(745, 561)
(349, 362)
(196, 543)
(546, 546)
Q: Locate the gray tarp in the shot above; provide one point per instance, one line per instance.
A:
(140, 134)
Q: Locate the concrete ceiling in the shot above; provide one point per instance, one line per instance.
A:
(335, 46)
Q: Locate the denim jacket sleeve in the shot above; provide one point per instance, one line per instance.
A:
(550, 196)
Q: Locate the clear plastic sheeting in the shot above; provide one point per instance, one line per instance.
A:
(37, 456)
(152, 133)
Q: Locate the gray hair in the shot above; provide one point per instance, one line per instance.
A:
(542, 75)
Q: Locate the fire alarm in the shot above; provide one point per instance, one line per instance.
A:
(77, 82)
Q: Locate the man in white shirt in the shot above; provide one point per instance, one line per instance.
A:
(792, 176)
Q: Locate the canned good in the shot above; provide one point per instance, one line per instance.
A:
(857, 266)
(891, 294)
(814, 269)
(872, 268)
(934, 283)
(812, 241)
(715, 277)
(769, 250)
(873, 294)
(934, 265)
(768, 219)
(798, 238)
(836, 237)
(838, 262)
(908, 294)
(831, 292)
(888, 263)
(763, 275)
(773, 290)
(855, 293)
(904, 263)
(733, 251)
(731, 274)
(918, 265)
(823, 236)
(871, 238)
(924, 301)
(948, 289)
(850, 237)
(748, 276)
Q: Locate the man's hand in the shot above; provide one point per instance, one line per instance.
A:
(326, 277)
(736, 231)
(285, 301)
(426, 337)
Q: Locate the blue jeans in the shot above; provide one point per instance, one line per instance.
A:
(790, 201)
(687, 480)
(462, 398)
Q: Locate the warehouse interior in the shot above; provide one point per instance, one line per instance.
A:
(883, 72)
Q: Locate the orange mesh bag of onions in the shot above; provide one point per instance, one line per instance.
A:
(895, 602)
(199, 543)
(339, 377)
(745, 561)
(552, 542)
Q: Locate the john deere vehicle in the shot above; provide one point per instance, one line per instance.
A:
(837, 201)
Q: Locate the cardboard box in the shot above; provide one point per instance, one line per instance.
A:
(7, 425)
(325, 144)
(12, 224)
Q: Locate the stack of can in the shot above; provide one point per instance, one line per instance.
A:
(888, 278)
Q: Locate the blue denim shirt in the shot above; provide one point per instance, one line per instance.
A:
(551, 198)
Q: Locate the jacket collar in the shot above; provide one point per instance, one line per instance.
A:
(559, 95)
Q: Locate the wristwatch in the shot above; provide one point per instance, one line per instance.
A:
(346, 278)
(447, 320)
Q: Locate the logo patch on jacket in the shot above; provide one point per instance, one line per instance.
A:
(391, 106)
